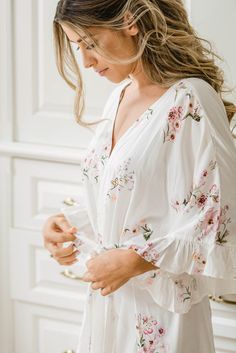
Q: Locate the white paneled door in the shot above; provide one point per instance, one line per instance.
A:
(40, 150)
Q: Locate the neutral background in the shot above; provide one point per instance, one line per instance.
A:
(40, 152)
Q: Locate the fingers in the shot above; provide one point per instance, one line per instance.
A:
(64, 256)
(58, 230)
(68, 260)
(61, 222)
(88, 277)
(106, 291)
(55, 237)
(59, 252)
(97, 285)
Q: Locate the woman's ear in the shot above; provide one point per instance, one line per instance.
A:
(131, 27)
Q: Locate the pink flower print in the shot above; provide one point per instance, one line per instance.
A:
(134, 247)
(183, 291)
(175, 205)
(161, 331)
(210, 221)
(176, 116)
(215, 222)
(141, 228)
(223, 221)
(199, 262)
(142, 222)
(201, 200)
(194, 108)
(214, 193)
(150, 335)
(150, 280)
(135, 230)
(174, 123)
(197, 197)
(149, 253)
(124, 180)
(113, 197)
(94, 162)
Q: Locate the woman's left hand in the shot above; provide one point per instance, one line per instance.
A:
(113, 268)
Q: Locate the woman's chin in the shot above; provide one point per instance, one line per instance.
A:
(116, 79)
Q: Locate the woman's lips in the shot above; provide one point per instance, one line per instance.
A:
(102, 73)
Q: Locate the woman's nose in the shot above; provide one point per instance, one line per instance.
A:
(88, 60)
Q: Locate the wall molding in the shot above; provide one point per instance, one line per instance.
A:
(41, 152)
(6, 134)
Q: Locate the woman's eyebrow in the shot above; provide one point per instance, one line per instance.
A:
(80, 40)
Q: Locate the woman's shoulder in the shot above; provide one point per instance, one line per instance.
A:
(204, 95)
(201, 90)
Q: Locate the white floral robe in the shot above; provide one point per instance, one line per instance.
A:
(167, 191)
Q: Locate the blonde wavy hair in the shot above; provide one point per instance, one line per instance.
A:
(167, 44)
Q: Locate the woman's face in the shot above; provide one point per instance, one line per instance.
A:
(120, 45)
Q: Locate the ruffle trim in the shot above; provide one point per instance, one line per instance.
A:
(182, 280)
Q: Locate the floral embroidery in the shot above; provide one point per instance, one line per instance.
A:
(149, 253)
(176, 116)
(183, 290)
(94, 162)
(148, 114)
(199, 262)
(214, 219)
(142, 228)
(124, 180)
(196, 196)
(174, 123)
(150, 333)
(222, 231)
(152, 276)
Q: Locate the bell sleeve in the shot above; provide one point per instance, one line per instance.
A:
(184, 220)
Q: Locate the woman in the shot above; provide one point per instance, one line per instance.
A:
(158, 177)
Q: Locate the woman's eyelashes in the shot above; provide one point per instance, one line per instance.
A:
(89, 47)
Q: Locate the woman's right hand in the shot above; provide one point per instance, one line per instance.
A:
(57, 231)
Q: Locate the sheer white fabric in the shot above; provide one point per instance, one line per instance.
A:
(166, 191)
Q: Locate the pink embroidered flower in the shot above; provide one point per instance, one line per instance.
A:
(149, 253)
(201, 200)
(176, 114)
(210, 222)
(197, 195)
(94, 162)
(199, 262)
(150, 280)
(123, 181)
(150, 335)
(183, 291)
(142, 228)
(175, 205)
(161, 331)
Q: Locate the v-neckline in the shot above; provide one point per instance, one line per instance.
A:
(113, 120)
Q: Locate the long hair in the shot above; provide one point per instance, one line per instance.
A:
(167, 45)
